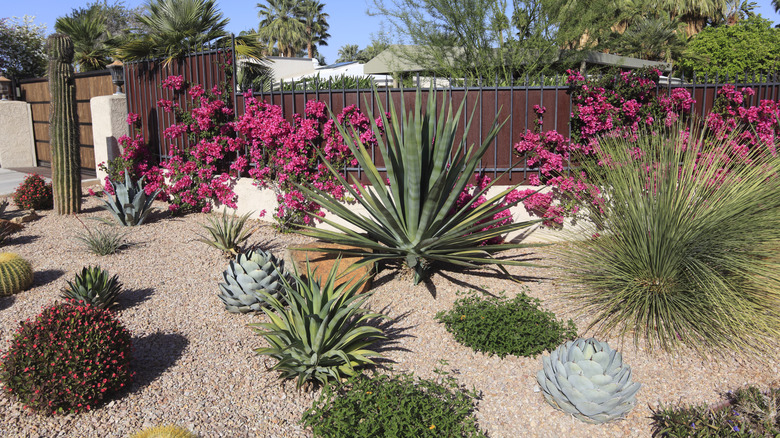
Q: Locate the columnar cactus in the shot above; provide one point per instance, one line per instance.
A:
(16, 274)
(63, 127)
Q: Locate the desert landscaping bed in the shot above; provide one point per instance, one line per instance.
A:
(196, 366)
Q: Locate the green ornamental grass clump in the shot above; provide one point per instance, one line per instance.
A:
(393, 406)
(500, 326)
(68, 359)
(747, 412)
(34, 194)
(686, 252)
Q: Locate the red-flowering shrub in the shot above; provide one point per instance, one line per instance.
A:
(33, 193)
(68, 359)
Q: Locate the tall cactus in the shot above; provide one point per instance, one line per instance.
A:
(63, 127)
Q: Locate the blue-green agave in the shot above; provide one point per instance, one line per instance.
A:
(248, 277)
(589, 380)
(130, 205)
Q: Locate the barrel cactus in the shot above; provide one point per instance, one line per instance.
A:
(249, 275)
(94, 286)
(170, 431)
(63, 126)
(16, 274)
(589, 380)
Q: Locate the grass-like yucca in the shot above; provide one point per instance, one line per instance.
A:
(687, 246)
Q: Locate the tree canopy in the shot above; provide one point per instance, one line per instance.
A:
(22, 44)
(751, 45)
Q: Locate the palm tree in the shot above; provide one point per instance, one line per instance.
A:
(348, 53)
(776, 5)
(652, 38)
(281, 25)
(696, 13)
(89, 35)
(316, 24)
(173, 28)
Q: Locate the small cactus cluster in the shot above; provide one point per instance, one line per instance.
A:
(16, 274)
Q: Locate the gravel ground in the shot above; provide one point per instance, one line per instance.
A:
(196, 366)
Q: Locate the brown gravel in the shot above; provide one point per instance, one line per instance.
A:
(196, 366)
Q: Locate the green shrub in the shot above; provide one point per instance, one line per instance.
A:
(69, 359)
(33, 193)
(687, 245)
(747, 412)
(496, 325)
(397, 406)
(413, 217)
(323, 334)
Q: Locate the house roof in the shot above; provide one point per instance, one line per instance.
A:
(400, 58)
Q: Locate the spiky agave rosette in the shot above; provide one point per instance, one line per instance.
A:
(588, 379)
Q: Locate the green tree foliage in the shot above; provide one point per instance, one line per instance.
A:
(316, 26)
(653, 38)
(88, 32)
(751, 45)
(22, 48)
(379, 43)
(118, 18)
(174, 28)
(281, 26)
(348, 53)
(291, 26)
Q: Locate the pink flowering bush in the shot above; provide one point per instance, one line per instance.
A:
(501, 218)
(69, 359)
(284, 155)
(758, 125)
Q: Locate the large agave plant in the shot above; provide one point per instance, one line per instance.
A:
(589, 380)
(322, 334)
(94, 286)
(411, 218)
(130, 205)
(249, 279)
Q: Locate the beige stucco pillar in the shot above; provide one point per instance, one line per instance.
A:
(17, 142)
(109, 122)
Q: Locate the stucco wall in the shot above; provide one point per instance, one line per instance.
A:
(109, 122)
(254, 199)
(17, 143)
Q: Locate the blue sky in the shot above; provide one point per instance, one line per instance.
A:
(349, 23)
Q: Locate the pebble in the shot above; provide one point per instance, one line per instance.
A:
(197, 368)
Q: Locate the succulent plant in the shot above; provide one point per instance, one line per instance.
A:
(321, 332)
(169, 431)
(227, 233)
(16, 274)
(130, 205)
(94, 286)
(248, 277)
(589, 380)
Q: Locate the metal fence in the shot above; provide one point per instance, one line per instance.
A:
(511, 105)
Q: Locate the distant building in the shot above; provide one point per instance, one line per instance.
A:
(299, 69)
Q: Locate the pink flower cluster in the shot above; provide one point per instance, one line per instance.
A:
(503, 217)
(759, 125)
(285, 154)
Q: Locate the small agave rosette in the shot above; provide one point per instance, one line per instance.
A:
(589, 380)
